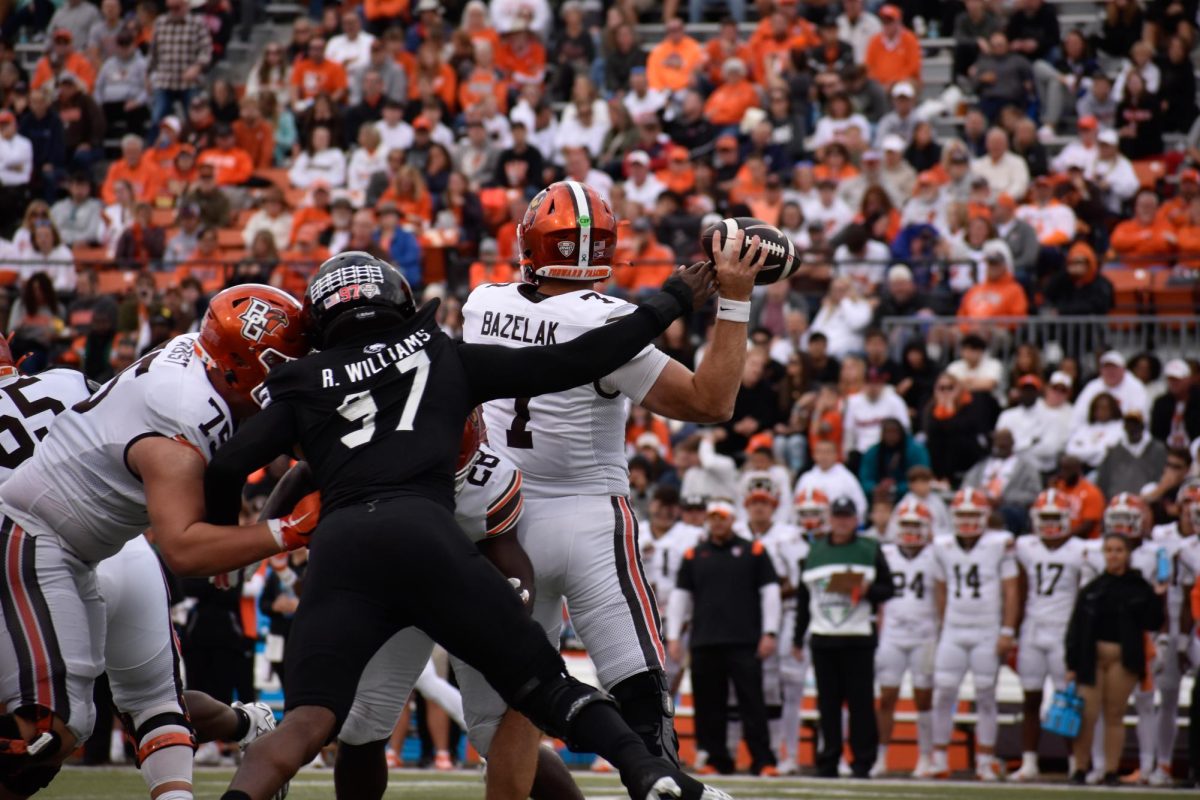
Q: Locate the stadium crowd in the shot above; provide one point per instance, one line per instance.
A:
(135, 182)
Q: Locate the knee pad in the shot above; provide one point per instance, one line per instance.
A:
(646, 704)
(163, 730)
(30, 780)
(555, 704)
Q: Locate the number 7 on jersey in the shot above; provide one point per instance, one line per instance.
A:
(361, 406)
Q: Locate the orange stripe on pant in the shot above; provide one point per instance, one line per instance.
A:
(635, 575)
(28, 619)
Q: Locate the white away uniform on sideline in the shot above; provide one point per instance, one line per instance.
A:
(74, 504)
(1053, 579)
(970, 628)
(908, 626)
(578, 529)
(662, 569)
(488, 504)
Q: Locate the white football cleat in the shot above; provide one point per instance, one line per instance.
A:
(987, 769)
(787, 767)
(924, 768)
(1160, 777)
(878, 769)
(262, 721)
(1027, 773)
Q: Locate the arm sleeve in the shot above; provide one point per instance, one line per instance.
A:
(264, 436)
(881, 589)
(679, 612)
(772, 606)
(495, 371)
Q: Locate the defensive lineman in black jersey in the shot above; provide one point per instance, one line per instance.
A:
(378, 414)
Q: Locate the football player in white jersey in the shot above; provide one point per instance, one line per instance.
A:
(977, 597)
(578, 528)
(1188, 565)
(663, 567)
(908, 632)
(128, 458)
(1051, 569)
(1127, 515)
(783, 672)
(488, 505)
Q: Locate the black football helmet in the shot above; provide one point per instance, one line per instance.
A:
(354, 286)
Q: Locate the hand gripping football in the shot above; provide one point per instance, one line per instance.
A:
(782, 258)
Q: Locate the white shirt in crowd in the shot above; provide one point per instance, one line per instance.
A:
(716, 476)
(1121, 179)
(865, 270)
(843, 325)
(644, 194)
(1090, 441)
(651, 102)
(988, 369)
(1039, 432)
(362, 166)
(350, 53)
(1076, 154)
(1009, 175)
(862, 421)
(835, 482)
(1130, 395)
(394, 137)
(16, 160)
(858, 33)
(328, 165)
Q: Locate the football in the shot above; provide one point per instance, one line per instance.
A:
(782, 258)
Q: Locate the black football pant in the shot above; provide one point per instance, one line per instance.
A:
(386, 565)
(846, 677)
(713, 669)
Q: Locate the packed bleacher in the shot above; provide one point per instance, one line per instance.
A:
(997, 206)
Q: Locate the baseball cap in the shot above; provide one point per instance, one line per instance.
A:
(892, 143)
(1005, 200)
(903, 88)
(872, 155)
(647, 439)
(760, 440)
(1060, 378)
(843, 507)
(639, 157)
(1088, 123)
(1030, 380)
(1108, 136)
(6, 117)
(1112, 358)
(692, 502)
(1177, 368)
(171, 122)
(726, 140)
(720, 506)
(678, 153)
(899, 272)
(422, 124)
(890, 12)
(63, 35)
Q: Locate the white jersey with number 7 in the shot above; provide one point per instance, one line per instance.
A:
(572, 442)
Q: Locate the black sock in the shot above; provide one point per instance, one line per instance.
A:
(600, 729)
(233, 794)
(243, 726)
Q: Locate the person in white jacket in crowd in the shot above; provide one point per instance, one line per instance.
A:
(368, 158)
(1055, 416)
(1112, 173)
(831, 476)
(1031, 421)
(320, 161)
(1123, 385)
(843, 317)
(862, 421)
(1101, 430)
(703, 471)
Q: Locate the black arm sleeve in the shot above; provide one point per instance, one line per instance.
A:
(496, 371)
(802, 611)
(268, 434)
(292, 487)
(881, 589)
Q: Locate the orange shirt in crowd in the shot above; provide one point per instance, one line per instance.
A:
(311, 79)
(76, 64)
(172, 183)
(670, 64)
(408, 62)
(1132, 239)
(801, 31)
(385, 9)
(768, 55)
(310, 218)
(890, 62)
(829, 428)
(1086, 502)
(1173, 212)
(716, 51)
(488, 35)
(764, 209)
(506, 241)
(233, 166)
(144, 178)
(1002, 298)
(1189, 246)
(444, 83)
(893, 228)
(745, 188)
(163, 157)
(257, 140)
(296, 267)
(526, 66)
(825, 172)
(481, 83)
(497, 272)
(657, 426)
(650, 268)
(729, 101)
(419, 207)
(680, 181)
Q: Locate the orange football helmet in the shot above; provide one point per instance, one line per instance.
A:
(7, 365)
(249, 329)
(567, 232)
(761, 487)
(914, 524)
(1126, 515)
(812, 511)
(1189, 506)
(970, 509)
(1050, 515)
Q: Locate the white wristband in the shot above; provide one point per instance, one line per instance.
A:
(276, 529)
(1007, 631)
(733, 310)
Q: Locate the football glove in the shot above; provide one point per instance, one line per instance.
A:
(515, 583)
(294, 530)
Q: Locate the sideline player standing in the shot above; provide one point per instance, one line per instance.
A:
(378, 414)
(977, 597)
(579, 530)
(909, 632)
(1050, 565)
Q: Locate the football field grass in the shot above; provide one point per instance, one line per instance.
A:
(125, 783)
